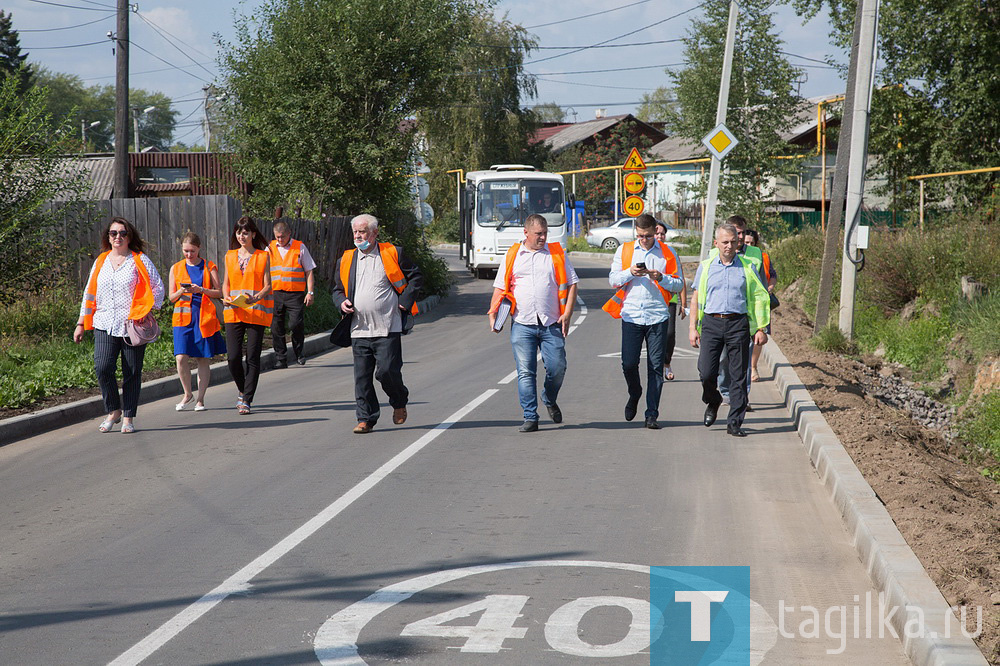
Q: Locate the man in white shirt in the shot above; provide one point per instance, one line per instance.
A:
(645, 278)
(539, 279)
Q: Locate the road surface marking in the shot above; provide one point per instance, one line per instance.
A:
(240, 581)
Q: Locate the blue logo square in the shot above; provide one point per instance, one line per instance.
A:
(699, 615)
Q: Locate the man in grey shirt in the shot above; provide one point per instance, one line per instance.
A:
(378, 287)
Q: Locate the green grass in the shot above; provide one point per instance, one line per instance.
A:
(980, 425)
(832, 339)
(38, 358)
(580, 245)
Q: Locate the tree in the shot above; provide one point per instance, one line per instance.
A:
(945, 115)
(549, 112)
(11, 60)
(762, 103)
(479, 119)
(658, 106)
(597, 188)
(318, 93)
(31, 175)
(71, 101)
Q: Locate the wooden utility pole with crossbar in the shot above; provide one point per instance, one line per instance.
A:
(121, 103)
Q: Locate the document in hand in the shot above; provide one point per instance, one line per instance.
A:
(240, 301)
(503, 312)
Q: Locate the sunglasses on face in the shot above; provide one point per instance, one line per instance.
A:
(114, 233)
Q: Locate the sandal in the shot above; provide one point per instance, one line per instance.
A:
(128, 429)
(107, 423)
(243, 408)
(668, 374)
(754, 376)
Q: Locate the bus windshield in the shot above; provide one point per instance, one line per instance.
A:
(509, 202)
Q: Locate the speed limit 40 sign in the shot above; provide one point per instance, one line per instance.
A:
(634, 206)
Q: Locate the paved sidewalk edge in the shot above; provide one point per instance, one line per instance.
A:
(889, 560)
(35, 423)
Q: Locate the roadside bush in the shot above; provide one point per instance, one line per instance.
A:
(444, 227)
(919, 344)
(832, 339)
(979, 322)
(980, 424)
(797, 256)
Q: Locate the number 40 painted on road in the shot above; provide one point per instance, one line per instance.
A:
(501, 611)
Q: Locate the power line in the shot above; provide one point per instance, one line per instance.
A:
(148, 71)
(796, 55)
(589, 85)
(70, 27)
(602, 45)
(167, 62)
(607, 41)
(616, 69)
(577, 18)
(68, 46)
(59, 4)
(187, 55)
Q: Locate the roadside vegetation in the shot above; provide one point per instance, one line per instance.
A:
(910, 310)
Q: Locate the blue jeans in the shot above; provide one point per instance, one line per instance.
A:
(526, 341)
(633, 336)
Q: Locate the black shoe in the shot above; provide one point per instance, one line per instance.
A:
(630, 408)
(554, 412)
(528, 426)
(280, 365)
(749, 408)
(711, 413)
(652, 424)
(735, 431)
(301, 360)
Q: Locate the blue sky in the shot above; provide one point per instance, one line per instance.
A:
(180, 51)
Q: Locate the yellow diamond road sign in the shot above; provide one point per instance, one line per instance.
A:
(720, 141)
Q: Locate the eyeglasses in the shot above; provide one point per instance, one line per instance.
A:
(115, 233)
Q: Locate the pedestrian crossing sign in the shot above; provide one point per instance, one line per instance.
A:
(634, 162)
(720, 141)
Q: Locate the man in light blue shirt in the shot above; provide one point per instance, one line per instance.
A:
(645, 276)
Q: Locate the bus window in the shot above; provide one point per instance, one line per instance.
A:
(499, 202)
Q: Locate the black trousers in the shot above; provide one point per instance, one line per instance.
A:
(292, 303)
(671, 334)
(245, 378)
(107, 349)
(381, 359)
(733, 335)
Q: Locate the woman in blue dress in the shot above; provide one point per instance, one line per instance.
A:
(193, 283)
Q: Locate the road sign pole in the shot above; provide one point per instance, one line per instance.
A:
(708, 229)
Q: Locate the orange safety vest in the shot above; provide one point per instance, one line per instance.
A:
(287, 274)
(142, 297)
(208, 320)
(614, 305)
(390, 262)
(558, 265)
(249, 282)
(767, 267)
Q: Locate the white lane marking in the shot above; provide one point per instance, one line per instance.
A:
(579, 320)
(240, 581)
(336, 642)
(678, 352)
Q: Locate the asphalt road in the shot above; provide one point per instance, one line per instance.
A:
(282, 538)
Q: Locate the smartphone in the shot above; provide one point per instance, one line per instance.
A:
(185, 284)
(641, 265)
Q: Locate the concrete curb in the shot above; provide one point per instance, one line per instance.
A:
(28, 425)
(892, 565)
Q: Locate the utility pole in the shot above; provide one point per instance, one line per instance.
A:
(708, 226)
(863, 87)
(135, 126)
(838, 193)
(121, 103)
(208, 124)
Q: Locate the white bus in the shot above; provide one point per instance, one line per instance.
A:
(494, 205)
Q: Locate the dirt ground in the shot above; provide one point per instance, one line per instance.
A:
(945, 509)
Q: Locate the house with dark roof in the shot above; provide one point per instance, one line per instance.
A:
(563, 136)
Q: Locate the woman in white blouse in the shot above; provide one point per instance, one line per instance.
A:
(123, 285)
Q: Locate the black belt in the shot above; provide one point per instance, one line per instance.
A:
(730, 315)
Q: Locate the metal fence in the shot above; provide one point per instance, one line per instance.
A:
(163, 221)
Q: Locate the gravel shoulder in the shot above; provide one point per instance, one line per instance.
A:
(945, 509)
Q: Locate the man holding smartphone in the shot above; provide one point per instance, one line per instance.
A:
(645, 274)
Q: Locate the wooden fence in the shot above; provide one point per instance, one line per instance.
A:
(163, 221)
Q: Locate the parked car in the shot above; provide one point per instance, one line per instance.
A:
(623, 231)
(610, 237)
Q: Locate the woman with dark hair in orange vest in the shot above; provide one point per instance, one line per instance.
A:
(123, 285)
(248, 308)
(193, 283)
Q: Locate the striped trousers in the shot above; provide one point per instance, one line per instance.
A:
(107, 348)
